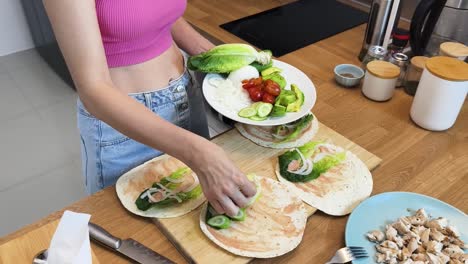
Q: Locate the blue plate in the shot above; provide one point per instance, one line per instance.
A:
(379, 210)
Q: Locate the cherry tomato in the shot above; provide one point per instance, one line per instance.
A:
(268, 98)
(256, 94)
(246, 84)
(272, 88)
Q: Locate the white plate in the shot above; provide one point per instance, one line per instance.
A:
(292, 76)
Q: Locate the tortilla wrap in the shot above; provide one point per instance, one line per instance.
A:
(339, 190)
(274, 224)
(261, 135)
(135, 181)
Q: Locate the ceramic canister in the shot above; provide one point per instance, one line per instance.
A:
(440, 94)
(380, 80)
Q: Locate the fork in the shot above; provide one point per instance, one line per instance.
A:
(348, 254)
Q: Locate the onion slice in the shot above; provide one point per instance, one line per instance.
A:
(195, 183)
(278, 136)
(175, 180)
(305, 164)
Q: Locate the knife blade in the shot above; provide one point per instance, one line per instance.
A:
(127, 247)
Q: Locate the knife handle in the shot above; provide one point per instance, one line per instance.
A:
(99, 234)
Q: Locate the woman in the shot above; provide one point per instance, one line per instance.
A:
(125, 61)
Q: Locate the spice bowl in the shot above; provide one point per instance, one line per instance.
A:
(348, 75)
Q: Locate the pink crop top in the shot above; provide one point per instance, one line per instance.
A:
(136, 31)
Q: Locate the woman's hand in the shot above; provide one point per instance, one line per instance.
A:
(224, 185)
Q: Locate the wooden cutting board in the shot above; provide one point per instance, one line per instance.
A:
(184, 232)
(24, 248)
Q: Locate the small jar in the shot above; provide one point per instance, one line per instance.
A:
(454, 50)
(413, 74)
(400, 60)
(440, 94)
(374, 53)
(380, 80)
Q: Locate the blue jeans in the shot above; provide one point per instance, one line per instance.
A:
(107, 153)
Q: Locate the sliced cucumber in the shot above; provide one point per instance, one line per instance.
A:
(219, 221)
(264, 109)
(247, 112)
(240, 216)
(257, 118)
(256, 105)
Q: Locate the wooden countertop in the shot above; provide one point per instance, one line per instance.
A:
(415, 160)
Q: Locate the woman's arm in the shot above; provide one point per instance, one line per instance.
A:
(188, 39)
(76, 29)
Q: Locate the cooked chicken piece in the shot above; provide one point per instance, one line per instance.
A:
(419, 262)
(393, 261)
(419, 257)
(421, 213)
(389, 244)
(420, 249)
(452, 231)
(412, 245)
(433, 246)
(375, 236)
(402, 227)
(443, 258)
(405, 220)
(407, 261)
(438, 223)
(452, 250)
(380, 258)
(418, 229)
(388, 252)
(458, 242)
(416, 220)
(425, 235)
(390, 232)
(404, 254)
(436, 235)
(455, 261)
(433, 259)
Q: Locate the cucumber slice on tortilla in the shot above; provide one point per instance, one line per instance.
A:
(247, 112)
(264, 109)
(219, 222)
(240, 216)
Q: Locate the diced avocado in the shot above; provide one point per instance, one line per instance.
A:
(278, 110)
(285, 98)
(277, 78)
(270, 70)
(296, 106)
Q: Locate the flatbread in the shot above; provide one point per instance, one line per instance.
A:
(274, 224)
(339, 190)
(260, 135)
(135, 181)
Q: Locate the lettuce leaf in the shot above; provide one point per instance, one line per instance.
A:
(320, 167)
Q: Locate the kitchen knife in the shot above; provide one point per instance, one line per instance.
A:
(128, 247)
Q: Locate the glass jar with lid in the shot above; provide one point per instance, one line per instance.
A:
(374, 53)
(413, 74)
(454, 50)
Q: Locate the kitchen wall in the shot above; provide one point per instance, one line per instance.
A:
(14, 31)
(407, 9)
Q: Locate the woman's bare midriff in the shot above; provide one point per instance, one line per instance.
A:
(150, 75)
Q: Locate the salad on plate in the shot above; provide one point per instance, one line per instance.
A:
(247, 83)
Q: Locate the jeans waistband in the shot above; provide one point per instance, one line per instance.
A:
(172, 93)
